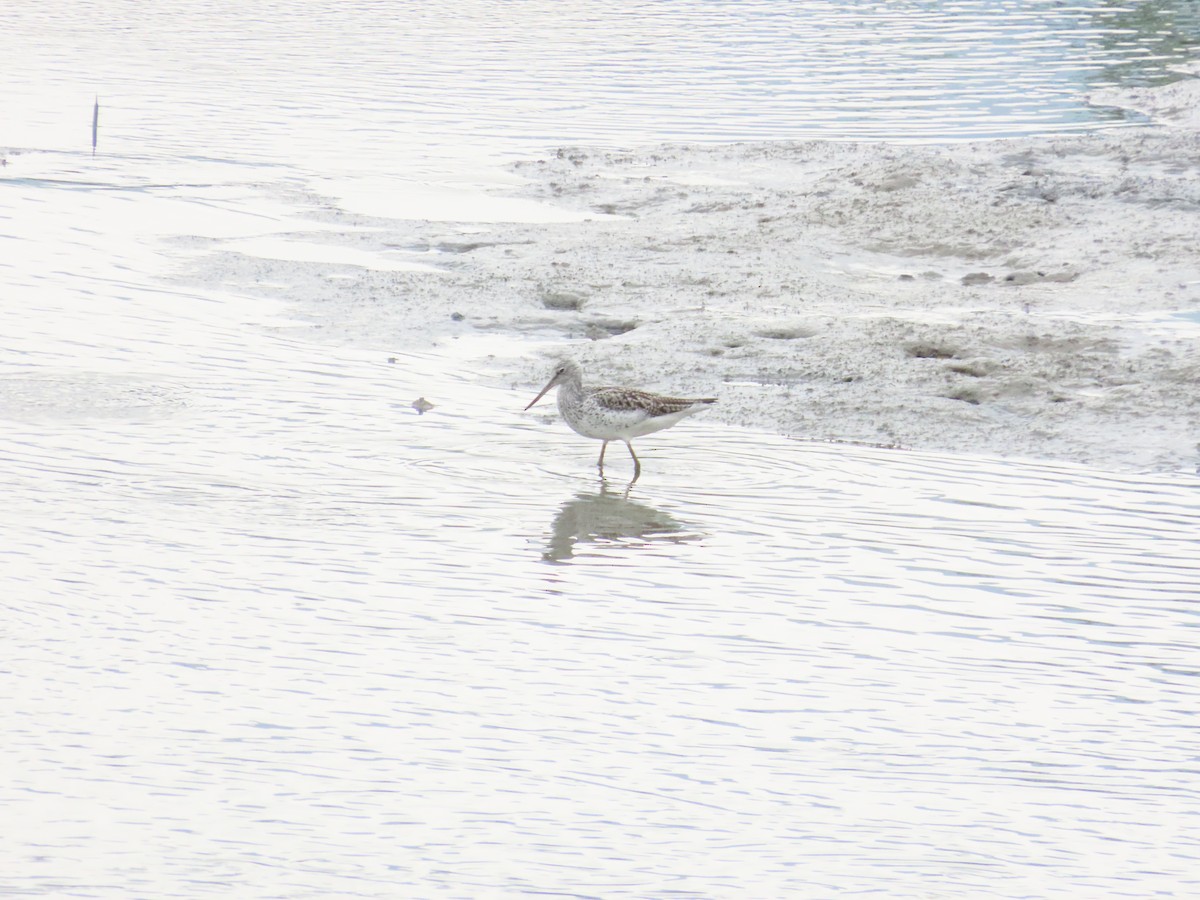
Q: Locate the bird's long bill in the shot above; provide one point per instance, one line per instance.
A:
(549, 385)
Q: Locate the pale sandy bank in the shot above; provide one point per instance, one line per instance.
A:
(1029, 298)
(1035, 298)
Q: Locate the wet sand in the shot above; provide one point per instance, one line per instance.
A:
(1030, 298)
(1033, 298)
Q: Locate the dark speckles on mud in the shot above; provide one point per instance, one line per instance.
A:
(924, 350)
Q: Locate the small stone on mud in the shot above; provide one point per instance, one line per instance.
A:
(922, 350)
(562, 300)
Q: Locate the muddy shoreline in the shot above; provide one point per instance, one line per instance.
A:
(1031, 298)
(1035, 298)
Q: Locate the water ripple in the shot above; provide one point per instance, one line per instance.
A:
(271, 632)
(444, 75)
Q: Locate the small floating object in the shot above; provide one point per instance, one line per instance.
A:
(422, 406)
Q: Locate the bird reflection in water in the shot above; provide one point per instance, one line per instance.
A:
(610, 517)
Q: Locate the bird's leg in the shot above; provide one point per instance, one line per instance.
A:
(637, 466)
(600, 465)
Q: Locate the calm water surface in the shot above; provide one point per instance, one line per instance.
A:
(268, 632)
(400, 86)
(272, 633)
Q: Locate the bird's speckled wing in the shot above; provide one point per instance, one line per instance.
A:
(653, 405)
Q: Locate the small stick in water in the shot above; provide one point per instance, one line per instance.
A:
(95, 123)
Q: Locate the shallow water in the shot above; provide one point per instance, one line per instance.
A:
(402, 87)
(277, 633)
(271, 632)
